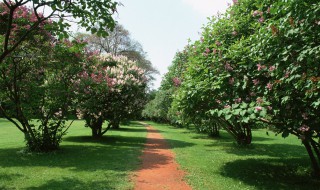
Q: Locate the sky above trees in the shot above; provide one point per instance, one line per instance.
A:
(164, 27)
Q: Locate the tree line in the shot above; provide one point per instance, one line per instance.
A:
(257, 65)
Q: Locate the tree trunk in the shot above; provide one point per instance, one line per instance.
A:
(314, 163)
(115, 124)
(96, 128)
(214, 131)
(45, 142)
(241, 133)
(96, 133)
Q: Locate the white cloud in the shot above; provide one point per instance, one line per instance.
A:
(208, 8)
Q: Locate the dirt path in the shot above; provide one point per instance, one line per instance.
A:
(158, 170)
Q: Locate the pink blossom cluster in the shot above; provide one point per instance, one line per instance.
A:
(260, 67)
(304, 128)
(238, 100)
(23, 19)
(228, 67)
(260, 13)
(258, 108)
(176, 81)
(255, 81)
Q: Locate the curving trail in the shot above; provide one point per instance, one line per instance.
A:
(158, 170)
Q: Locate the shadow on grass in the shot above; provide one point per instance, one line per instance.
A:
(272, 150)
(129, 129)
(73, 184)
(224, 136)
(9, 177)
(271, 173)
(83, 153)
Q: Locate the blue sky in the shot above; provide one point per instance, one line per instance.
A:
(164, 26)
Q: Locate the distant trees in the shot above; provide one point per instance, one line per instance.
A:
(119, 42)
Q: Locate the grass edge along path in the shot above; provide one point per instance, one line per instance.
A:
(158, 170)
(271, 162)
(81, 163)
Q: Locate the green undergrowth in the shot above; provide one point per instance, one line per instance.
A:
(271, 162)
(81, 162)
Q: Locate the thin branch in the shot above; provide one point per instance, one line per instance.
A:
(10, 119)
(68, 127)
(107, 129)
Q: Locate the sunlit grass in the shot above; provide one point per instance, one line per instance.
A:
(271, 162)
(81, 162)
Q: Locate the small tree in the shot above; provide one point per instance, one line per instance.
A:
(110, 88)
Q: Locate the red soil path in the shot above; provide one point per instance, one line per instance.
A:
(158, 170)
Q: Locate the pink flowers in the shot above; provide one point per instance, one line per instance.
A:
(255, 81)
(257, 12)
(272, 68)
(260, 13)
(231, 80)
(287, 74)
(235, 1)
(218, 43)
(207, 50)
(258, 108)
(304, 128)
(260, 67)
(176, 81)
(269, 86)
(214, 51)
(261, 19)
(238, 100)
(234, 33)
(228, 67)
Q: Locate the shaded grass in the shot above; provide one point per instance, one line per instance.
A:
(81, 162)
(271, 162)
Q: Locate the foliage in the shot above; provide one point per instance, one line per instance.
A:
(37, 87)
(93, 15)
(159, 109)
(109, 88)
(258, 63)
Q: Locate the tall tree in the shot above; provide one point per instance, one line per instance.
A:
(119, 42)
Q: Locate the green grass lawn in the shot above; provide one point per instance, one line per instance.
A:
(81, 163)
(271, 162)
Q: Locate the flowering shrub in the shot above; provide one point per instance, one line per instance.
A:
(38, 87)
(258, 63)
(109, 88)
